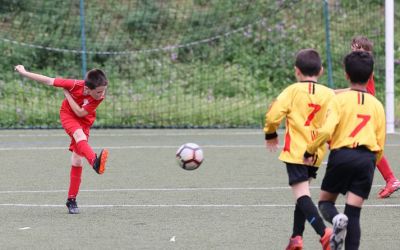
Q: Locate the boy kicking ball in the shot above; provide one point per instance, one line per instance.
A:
(77, 115)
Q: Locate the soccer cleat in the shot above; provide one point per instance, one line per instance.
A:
(295, 243)
(326, 238)
(72, 206)
(391, 187)
(339, 231)
(99, 164)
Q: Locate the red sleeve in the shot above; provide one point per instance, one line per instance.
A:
(91, 106)
(64, 83)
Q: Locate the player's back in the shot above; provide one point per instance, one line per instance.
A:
(361, 120)
(306, 104)
(309, 104)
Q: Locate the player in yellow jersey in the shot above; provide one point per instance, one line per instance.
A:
(304, 105)
(355, 129)
(392, 183)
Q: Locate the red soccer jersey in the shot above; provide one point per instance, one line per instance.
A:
(371, 86)
(76, 89)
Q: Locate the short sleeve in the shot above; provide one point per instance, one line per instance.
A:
(64, 83)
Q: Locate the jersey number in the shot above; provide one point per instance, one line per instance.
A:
(311, 116)
(364, 120)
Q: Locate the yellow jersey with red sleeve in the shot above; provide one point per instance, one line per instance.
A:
(354, 119)
(304, 105)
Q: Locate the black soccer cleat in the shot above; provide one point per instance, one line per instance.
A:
(99, 164)
(72, 206)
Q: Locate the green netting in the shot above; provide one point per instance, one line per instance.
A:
(194, 63)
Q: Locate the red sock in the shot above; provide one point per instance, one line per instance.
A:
(83, 148)
(75, 181)
(384, 168)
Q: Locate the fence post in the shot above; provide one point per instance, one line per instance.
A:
(328, 43)
(389, 72)
(83, 38)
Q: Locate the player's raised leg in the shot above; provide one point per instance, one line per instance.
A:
(98, 162)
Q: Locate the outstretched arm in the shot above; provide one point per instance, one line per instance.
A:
(33, 76)
(79, 111)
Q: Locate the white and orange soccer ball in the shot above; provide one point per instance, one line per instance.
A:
(189, 156)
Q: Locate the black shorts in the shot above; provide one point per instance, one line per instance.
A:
(299, 172)
(350, 169)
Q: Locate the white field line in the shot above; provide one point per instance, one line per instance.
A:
(159, 189)
(147, 147)
(182, 205)
(130, 147)
(156, 133)
(161, 133)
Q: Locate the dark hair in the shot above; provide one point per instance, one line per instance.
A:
(359, 66)
(95, 78)
(362, 42)
(308, 62)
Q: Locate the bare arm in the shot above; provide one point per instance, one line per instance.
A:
(33, 76)
(79, 111)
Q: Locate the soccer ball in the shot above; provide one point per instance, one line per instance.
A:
(189, 156)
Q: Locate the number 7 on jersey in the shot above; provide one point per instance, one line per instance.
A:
(311, 116)
(364, 121)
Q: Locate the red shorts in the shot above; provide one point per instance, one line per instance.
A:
(70, 125)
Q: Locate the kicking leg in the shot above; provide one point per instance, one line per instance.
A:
(83, 148)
